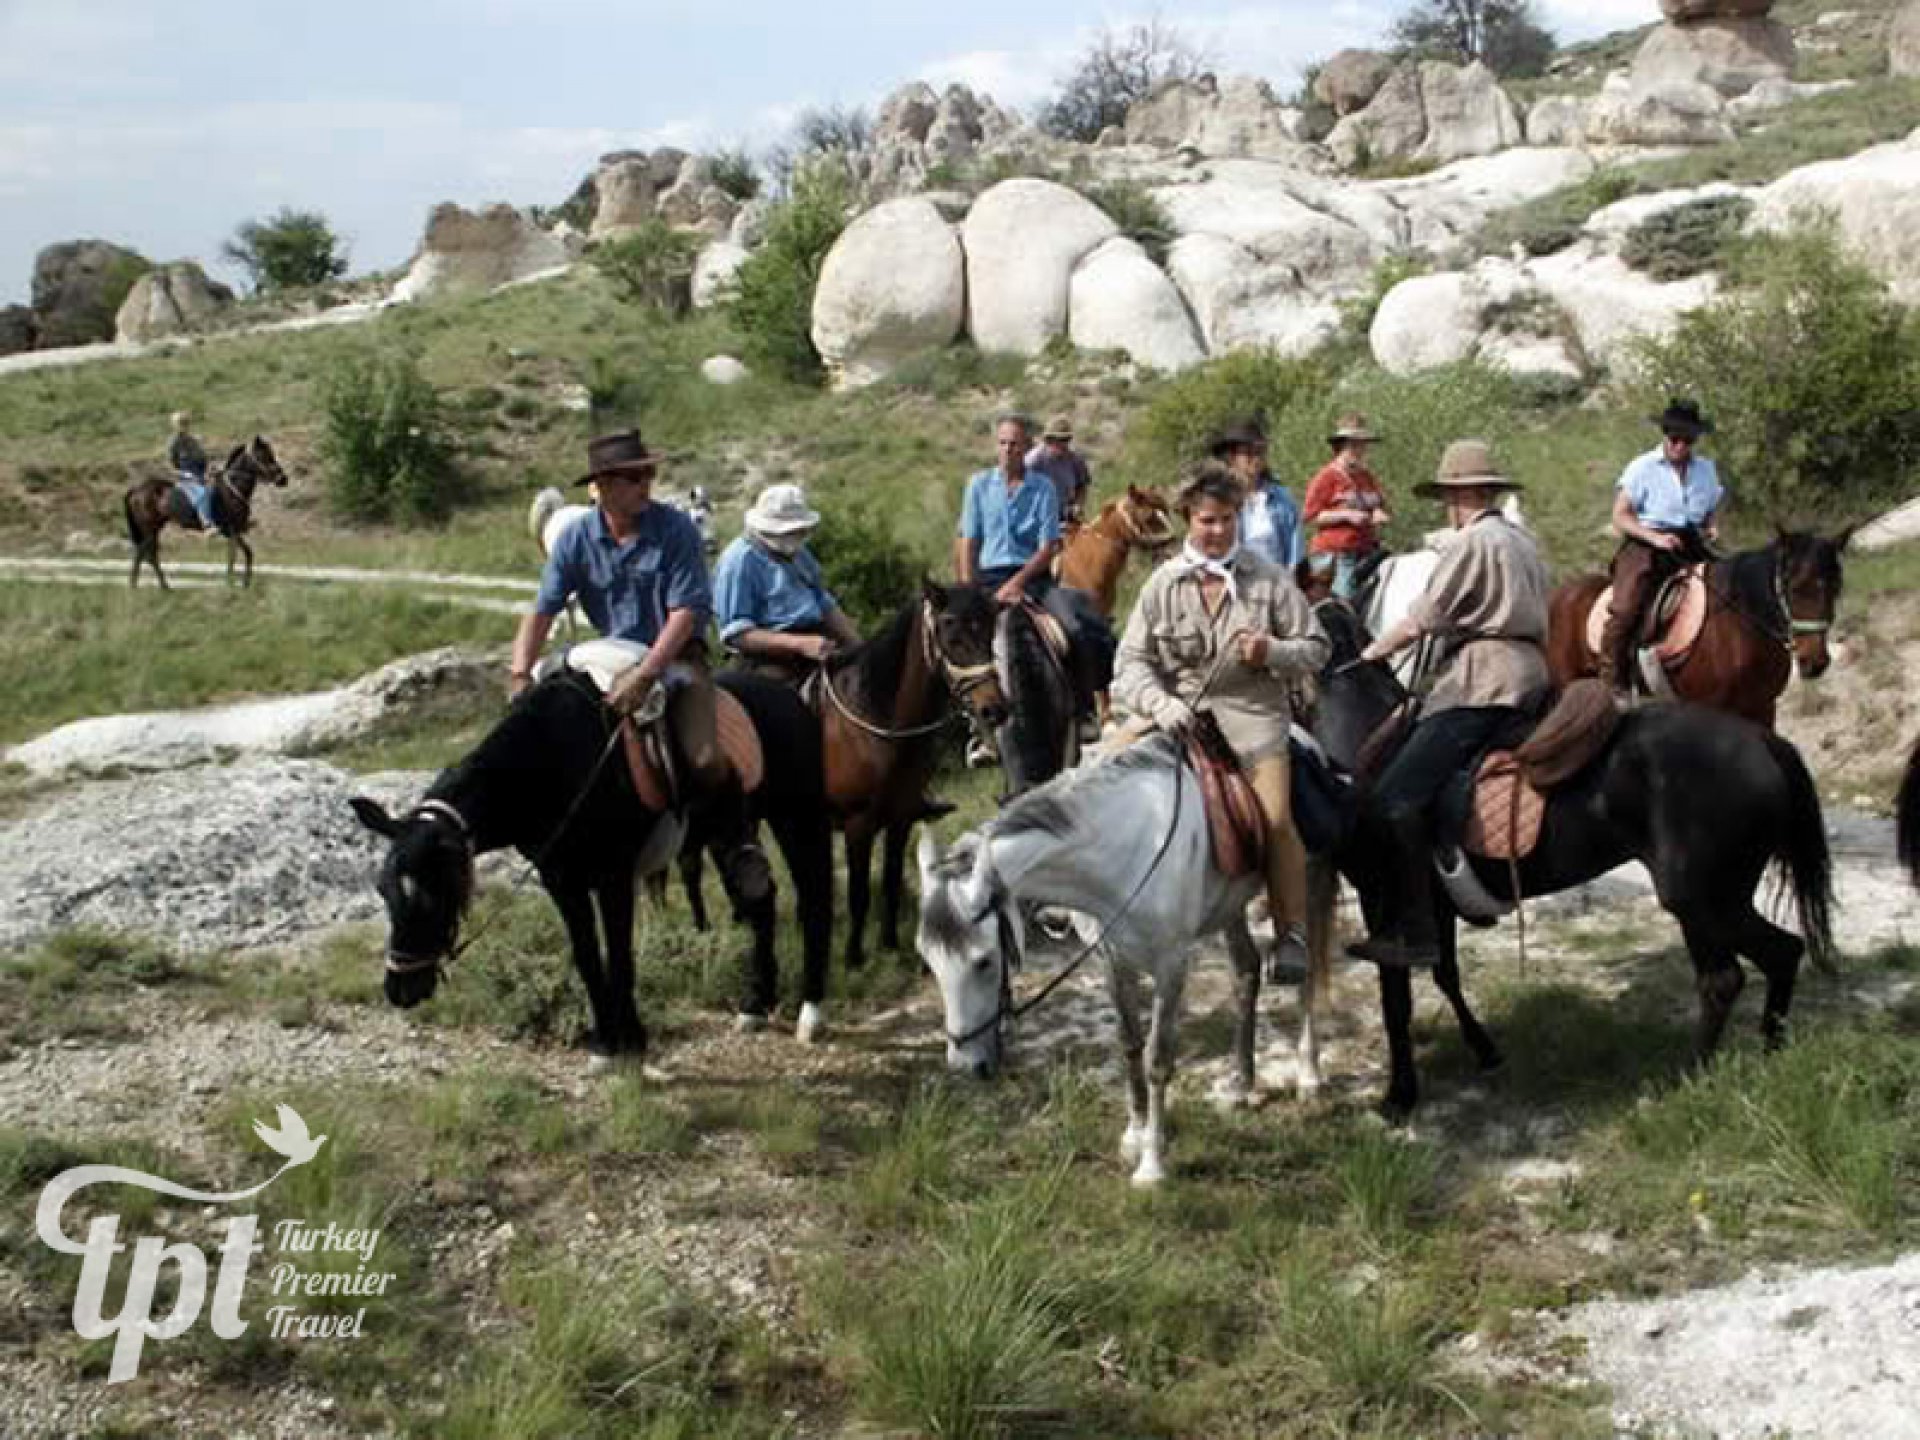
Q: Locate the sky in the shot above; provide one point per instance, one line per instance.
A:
(164, 124)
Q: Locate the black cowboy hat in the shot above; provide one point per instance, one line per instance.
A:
(1241, 432)
(621, 453)
(1683, 417)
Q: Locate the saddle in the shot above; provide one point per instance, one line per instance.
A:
(1236, 821)
(1672, 623)
(180, 508)
(1506, 802)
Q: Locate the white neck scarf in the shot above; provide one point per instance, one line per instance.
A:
(1194, 562)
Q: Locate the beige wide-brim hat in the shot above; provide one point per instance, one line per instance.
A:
(781, 510)
(1466, 465)
(1060, 427)
(1352, 426)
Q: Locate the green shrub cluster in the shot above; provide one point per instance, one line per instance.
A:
(1809, 369)
(871, 570)
(735, 173)
(651, 266)
(385, 440)
(772, 293)
(1687, 239)
(1131, 206)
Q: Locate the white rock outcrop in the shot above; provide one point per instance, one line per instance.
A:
(465, 251)
(894, 284)
(712, 270)
(1874, 199)
(1429, 112)
(1238, 116)
(1238, 300)
(1903, 40)
(171, 299)
(1022, 239)
(1612, 305)
(1680, 113)
(1730, 54)
(722, 370)
(1118, 299)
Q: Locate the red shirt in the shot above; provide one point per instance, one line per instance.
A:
(1338, 488)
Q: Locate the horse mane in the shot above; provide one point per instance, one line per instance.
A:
(1031, 679)
(562, 701)
(1052, 809)
(880, 661)
(1751, 578)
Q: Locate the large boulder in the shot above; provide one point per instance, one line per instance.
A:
(1558, 120)
(1731, 55)
(1503, 313)
(907, 115)
(172, 299)
(1236, 117)
(1350, 79)
(694, 202)
(1118, 299)
(894, 284)
(1682, 113)
(626, 192)
(1023, 237)
(1903, 40)
(1241, 300)
(465, 251)
(713, 270)
(1610, 305)
(1682, 11)
(1873, 197)
(1432, 113)
(16, 329)
(1443, 206)
(78, 286)
(1325, 232)
(1391, 126)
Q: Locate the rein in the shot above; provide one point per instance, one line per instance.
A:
(1783, 630)
(961, 680)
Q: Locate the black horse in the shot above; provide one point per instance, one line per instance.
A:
(551, 780)
(150, 505)
(1706, 801)
(1038, 740)
(1907, 815)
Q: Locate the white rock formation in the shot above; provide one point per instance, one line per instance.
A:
(1022, 238)
(1903, 40)
(464, 251)
(1874, 198)
(172, 299)
(1118, 299)
(722, 370)
(1731, 55)
(1682, 113)
(1238, 116)
(712, 269)
(894, 284)
(1429, 112)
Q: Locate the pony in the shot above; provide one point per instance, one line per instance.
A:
(1125, 846)
(1907, 815)
(549, 781)
(1096, 553)
(1768, 611)
(153, 502)
(1707, 801)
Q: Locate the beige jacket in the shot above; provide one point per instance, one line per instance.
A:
(1175, 657)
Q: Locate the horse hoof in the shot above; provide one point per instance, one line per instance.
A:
(812, 1025)
(1147, 1176)
(1132, 1144)
(749, 1022)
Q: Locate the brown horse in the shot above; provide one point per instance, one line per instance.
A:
(1096, 553)
(151, 504)
(1767, 611)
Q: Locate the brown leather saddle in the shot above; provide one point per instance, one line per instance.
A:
(656, 768)
(1511, 786)
(1672, 623)
(1236, 820)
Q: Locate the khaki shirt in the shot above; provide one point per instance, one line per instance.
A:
(1173, 650)
(1486, 604)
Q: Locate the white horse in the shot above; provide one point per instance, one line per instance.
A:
(1124, 845)
(551, 513)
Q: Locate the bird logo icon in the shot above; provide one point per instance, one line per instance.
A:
(290, 1138)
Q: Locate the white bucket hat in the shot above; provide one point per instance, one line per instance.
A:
(781, 510)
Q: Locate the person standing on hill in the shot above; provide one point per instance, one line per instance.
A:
(1056, 459)
(1270, 518)
(1346, 507)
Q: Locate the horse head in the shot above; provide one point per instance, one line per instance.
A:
(957, 627)
(425, 881)
(1355, 695)
(1807, 582)
(1148, 520)
(247, 465)
(971, 940)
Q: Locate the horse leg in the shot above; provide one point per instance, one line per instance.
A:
(691, 861)
(1777, 952)
(893, 882)
(246, 552)
(1446, 975)
(1123, 984)
(1246, 996)
(1168, 992)
(1396, 1013)
(615, 896)
(807, 844)
(576, 911)
(1718, 980)
(1323, 894)
(859, 834)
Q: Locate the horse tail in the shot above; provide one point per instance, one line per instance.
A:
(541, 511)
(1907, 825)
(1801, 853)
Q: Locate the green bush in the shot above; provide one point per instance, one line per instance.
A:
(291, 248)
(868, 568)
(734, 172)
(651, 266)
(1131, 206)
(772, 293)
(385, 441)
(1687, 239)
(1809, 370)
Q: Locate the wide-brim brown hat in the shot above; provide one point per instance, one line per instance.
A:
(1240, 432)
(1682, 417)
(1352, 427)
(1060, 427)
(621, 453)
(1467, 465)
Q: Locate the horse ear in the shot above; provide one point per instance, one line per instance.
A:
(933, 593)
(373, 815)
(928, 854)
(975, 893)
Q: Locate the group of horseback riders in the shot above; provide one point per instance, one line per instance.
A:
(1223, 628)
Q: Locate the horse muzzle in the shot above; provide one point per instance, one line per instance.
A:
(410, 979)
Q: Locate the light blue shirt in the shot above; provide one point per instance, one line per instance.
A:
(1011, 526)
(628, 588)
(755, 589)
(1270, 525)
(1662, 500)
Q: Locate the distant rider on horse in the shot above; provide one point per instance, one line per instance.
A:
(1270, 519)
(769, 597)
(1346, 507)
(1009, 535)
(187, 457)
(1486, 605)
(1665, 509)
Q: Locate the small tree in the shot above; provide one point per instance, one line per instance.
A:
(772, 292)
(651, 265)
(734, 172)
(292, 248)
(1119, 69)
(1503, 35)
(385, 441)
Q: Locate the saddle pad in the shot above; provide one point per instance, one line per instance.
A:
(1679, 610)
(1050, 629)
(1236, 821)
(1505, 821)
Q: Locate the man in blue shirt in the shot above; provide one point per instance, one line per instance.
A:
(770, 598)
(1009, 536)
(1055, 458)
(1270, 516)
(1665, 509)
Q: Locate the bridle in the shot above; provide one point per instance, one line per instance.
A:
(1789, 626)
(400, 962)
(961, 681)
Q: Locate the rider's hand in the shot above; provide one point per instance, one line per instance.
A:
(1666, 540)
(819, 647)
(630, 691)
(1378, 518)
(1012, 592)
(1174, 715)
(1253, 649)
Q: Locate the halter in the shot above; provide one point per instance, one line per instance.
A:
(1795, 625)
(399, 962)
(960, 680)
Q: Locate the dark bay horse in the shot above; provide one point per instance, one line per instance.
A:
(1907, 815)
(152, 503)
(1039, 739)
(550, 780)
(1706, 801)
(1768, 610)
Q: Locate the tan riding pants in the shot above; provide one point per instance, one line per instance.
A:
(1272, 780)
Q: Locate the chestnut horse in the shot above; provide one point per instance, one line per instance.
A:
(153, 502)
(1096, 553)
(1767, 611)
